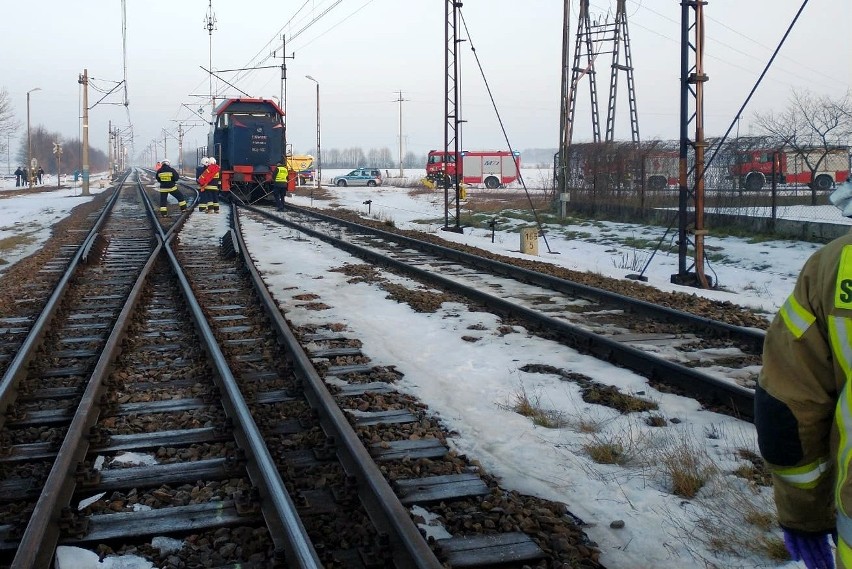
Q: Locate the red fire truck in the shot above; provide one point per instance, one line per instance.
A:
(494, 168)
(754, 167)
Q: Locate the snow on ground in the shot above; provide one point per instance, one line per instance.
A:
(478, 382)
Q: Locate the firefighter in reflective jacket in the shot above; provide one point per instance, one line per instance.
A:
(212, 182)
(168, 177)
(279, 183)
(803, 405)
(202, 197)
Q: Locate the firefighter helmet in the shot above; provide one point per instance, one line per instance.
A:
(212, 160)
(205, 161)
(165, 163)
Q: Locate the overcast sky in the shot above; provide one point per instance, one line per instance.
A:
(363, 52)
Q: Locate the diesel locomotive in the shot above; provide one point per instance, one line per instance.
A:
(247, 140)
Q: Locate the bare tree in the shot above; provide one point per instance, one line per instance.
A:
(8, 124)
(813, 126)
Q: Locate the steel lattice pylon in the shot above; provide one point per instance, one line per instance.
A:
(451, 113)
(590, 41)
(693, 78)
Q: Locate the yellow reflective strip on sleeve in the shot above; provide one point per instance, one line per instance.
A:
(840, 334)
(844, 552)
(806, 476)
(843, 288)
(843, 418)
(797, 319)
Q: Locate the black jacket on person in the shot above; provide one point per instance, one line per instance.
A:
(167, 176)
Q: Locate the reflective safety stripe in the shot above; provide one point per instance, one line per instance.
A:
(806, 476)
(843, 418)
(797, 319)
(844, 538)
(840, 333)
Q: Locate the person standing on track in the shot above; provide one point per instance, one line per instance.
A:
(202, 197)
(168, 177)
(280, 180)
(208, 181)
(19, 177)
(803, 405)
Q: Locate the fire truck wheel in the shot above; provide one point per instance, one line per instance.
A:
(754, 181)
(656, 182)
(492, 183)
(823, 182)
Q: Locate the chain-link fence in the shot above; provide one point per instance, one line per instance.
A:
(745, 178)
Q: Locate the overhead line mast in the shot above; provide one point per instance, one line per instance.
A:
(451, 115)
(692, 79)
(210, 24)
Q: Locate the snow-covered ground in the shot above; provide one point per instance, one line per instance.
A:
(478, 382)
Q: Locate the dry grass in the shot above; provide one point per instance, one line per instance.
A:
(615, 399)
(731, 514)
(15, 241)
(522, 404)
(624, 448)
(606, 451)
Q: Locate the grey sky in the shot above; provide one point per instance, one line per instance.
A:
(363, 51)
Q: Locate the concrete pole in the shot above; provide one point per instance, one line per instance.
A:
(29, 142)
(84, 80)
(399, 99)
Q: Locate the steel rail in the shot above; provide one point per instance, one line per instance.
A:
(18, 367)
(41, 535)
(750, 336)
(286, 529)
(409, 548)
(710, 388)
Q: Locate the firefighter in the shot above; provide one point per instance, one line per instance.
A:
(202, 198)
(210, 180)
(280, 183)
(168, 177)
(803, 408)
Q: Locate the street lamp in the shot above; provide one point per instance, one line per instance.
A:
(319, 153)
(29, 142)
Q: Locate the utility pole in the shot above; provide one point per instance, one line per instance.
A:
(284, 58)
(210, 25)
(180, 147)
(451, 113)
(400, 100)
(84, 81)
(57, 150)
(109, 148)
(564, 127)
(692, 79)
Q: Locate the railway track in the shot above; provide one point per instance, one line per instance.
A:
(72, 416)
(712, 361)
(166, 402)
